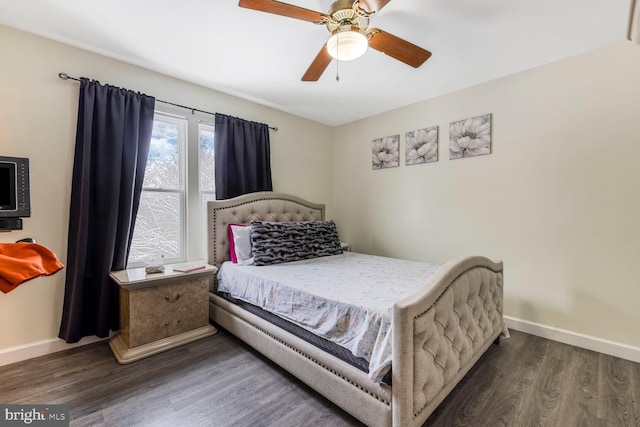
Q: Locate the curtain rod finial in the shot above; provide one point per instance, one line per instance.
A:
(63, 76)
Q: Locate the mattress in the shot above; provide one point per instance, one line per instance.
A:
(346, 299)
(323, 344)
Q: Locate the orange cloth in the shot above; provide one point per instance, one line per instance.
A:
(23, 261)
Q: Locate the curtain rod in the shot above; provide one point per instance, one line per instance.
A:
(65, 76)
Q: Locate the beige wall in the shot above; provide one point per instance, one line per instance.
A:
(557, 200)
(37, 120)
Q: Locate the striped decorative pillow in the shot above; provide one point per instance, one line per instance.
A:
(277, 242)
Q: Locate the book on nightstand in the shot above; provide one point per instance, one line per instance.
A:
(189, 268)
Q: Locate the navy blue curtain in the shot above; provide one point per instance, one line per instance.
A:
(242, 157)
(112, 143)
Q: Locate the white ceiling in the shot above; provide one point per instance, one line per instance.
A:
(261, 57)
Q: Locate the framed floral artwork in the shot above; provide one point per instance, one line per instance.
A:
(384, 152)
(470, 137)
(421, 146)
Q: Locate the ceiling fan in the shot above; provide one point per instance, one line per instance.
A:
(348, 23)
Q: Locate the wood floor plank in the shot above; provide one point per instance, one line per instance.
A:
(616, 405)
(635, 392)
(545, 399)
(501, 408)
(579, 406)
(523, 363)
(220, 381)
(462, 409)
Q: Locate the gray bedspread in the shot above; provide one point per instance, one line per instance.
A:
(346, 299)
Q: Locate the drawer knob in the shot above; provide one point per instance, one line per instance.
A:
(166, 323)
(169, 299)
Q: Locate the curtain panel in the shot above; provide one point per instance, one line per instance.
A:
(633, 31)
(242, 157)
(112, 143)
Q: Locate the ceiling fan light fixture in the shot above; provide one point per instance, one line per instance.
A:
(347, 43)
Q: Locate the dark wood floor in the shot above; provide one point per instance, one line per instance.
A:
(219, 381)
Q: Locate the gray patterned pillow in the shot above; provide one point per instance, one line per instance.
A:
(277, 242)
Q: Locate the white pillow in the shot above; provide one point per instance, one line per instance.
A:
(242, 244)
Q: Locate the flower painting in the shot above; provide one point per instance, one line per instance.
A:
(470, 137)
(421, 146)
(384, 152)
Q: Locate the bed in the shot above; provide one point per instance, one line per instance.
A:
(437, 333)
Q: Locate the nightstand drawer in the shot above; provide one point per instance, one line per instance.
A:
(160, 312)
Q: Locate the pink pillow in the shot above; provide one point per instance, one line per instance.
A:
(232, 245)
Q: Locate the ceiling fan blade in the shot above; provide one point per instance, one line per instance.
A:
(398, 48)
(283, 9)
(373, 5)
(317, 67)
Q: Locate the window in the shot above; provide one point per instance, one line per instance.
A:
(178, 181)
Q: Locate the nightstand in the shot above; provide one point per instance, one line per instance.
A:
(160, 311)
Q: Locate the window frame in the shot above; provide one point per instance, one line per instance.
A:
(193, 232)
(201, 205)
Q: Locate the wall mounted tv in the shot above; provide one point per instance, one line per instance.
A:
(14, 187)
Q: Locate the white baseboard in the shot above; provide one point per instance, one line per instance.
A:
(40, 348)
(623, 351)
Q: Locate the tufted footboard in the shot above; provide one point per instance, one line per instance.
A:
(440, 333)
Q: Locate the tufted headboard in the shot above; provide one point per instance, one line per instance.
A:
(264, 206)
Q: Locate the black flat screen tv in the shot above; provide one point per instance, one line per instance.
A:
(14, 187)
